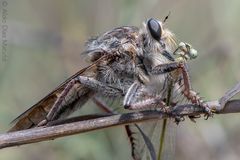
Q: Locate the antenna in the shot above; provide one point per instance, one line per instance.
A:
(165, 19)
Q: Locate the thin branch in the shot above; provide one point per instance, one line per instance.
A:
(81, 124)
(74, 126)
(51, 132)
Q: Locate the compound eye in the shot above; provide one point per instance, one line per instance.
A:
(154, 28)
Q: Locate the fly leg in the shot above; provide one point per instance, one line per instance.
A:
(187, 91)
(98, 86)
(102, 105)
(133, 94)
(77, 89)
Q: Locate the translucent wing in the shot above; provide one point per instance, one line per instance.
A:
(39, 111)
(161, 133)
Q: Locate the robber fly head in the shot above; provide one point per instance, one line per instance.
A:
(156, 38)
(158, 44)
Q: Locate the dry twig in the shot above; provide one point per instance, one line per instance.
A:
(93, 122)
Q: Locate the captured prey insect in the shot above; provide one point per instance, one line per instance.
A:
(140, 66)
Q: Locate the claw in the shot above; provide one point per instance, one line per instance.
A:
(179, 119)
(208, 112)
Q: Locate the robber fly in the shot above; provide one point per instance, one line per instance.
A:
(137, 65)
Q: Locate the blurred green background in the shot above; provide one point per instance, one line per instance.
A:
(44, 42)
